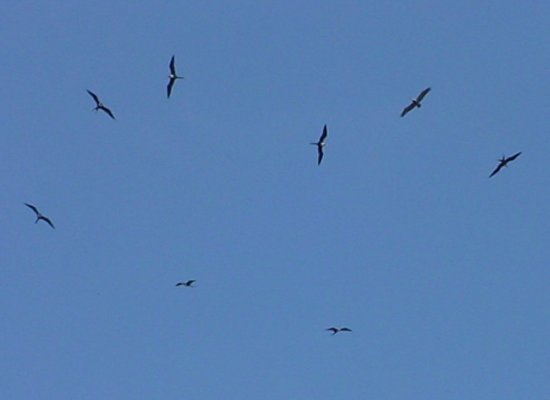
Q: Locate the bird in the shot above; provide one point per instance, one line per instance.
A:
(321, 144)
(415, 103)
(335, 330)
(503, 162)
(40, 216)
(173, 76)
(188, 283)
(99, 105)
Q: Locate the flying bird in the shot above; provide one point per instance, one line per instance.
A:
(415, 103)
(335, 330)
(188, 283)
(40, 216)
(173, 76)
(321, 144)
(503, 162)
(99, 105)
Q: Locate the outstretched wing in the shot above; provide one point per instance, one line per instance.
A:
(109, 112)
(512, 158)
(190, 282)
(33, 208)
(423, 94)
(47, 220)
(345, 330)
(407, 109)
(169, 87)
(333, 330)
(324, 134)
(173, 66)
(499, 166)
(320, 154)
(94, 96)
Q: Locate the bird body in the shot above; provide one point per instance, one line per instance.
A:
(503, 162)
(321, 144)
(99, 105)
(415, 103)
(335, 330)
(188, 283)
(40, 216)
(173, 77)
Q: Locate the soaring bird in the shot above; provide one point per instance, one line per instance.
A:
(188, 283)
(415, 103)
(321, 144)
(40, 216)
(99, 105)
(335, 330)
(503, 162)
(173, 76)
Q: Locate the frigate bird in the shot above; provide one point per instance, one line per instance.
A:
(188, 283)
(503, 162)
(99, 105)
(415, 103)
(173, 76)
(40, 216)
(335, 330)
(321, 144)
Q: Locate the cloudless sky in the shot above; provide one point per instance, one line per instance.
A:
(441, 272)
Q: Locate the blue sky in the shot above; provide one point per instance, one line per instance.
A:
(441, 272)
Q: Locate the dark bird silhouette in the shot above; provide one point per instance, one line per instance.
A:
(415, 103)
(173, 76)
(40, 216)
(503, 162)
(335, 330)
(188, 283)
(99, 105)
(321, 144)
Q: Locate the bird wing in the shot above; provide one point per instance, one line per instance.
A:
(190, 282)
(324, 134)
(109, 112)
(345, 330)
(499, 166)
(169, 87)
(179, 284)
(173, 65)
(423, 94)
(47, 220)
(407, 109)
(332, 329)
(319, 154)
(512, 158)
(33, 208)
(96, 99)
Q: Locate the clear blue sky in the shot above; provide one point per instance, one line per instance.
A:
(441, 272)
